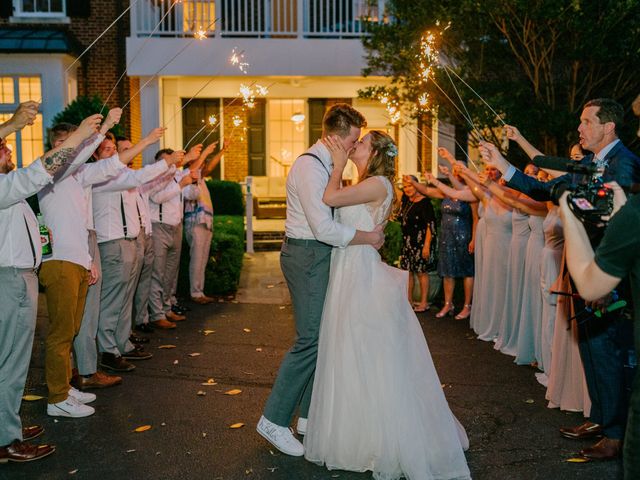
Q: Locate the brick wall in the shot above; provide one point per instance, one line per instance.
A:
(236, 166)
(101, 66)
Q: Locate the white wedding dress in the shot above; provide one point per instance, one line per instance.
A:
(377, 402)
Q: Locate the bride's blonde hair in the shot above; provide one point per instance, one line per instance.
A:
(382, 161)
(383, 156)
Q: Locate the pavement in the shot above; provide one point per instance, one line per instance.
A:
(233, 345)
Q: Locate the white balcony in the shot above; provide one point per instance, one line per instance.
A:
(255, 18)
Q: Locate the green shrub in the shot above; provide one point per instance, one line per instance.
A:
(390, 251)
(226, 196)
(222, 274)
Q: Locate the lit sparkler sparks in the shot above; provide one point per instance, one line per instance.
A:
(237, 121)
(249, 94)
(200, 34)
(237, 59)
(428, 56)
(213, 120)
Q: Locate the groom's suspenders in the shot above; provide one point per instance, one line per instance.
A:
(326, 170)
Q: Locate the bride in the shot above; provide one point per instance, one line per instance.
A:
(377, 401)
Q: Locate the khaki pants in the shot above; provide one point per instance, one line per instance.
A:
(65, 285)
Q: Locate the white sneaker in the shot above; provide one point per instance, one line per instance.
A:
(301, 426)
(82, 397)
(280, 437)
(69, 408)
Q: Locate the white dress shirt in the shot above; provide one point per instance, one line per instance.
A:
(308, 217)
(19, 233)
(167, 204)
(64, 205)
(150, 188)
(115, 210)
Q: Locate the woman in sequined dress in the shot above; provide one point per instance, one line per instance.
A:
(418, 241)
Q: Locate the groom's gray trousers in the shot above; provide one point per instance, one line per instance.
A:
(305, 264)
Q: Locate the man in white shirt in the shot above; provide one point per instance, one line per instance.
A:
(310, 234)
(198, 223)
(145, 244)
(67, 273)
(20, 256)
(118, 225)
(166, 217)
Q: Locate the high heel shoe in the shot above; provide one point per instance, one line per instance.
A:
(464, 317)
(446, 310)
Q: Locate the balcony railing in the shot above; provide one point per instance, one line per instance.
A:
(255, 18)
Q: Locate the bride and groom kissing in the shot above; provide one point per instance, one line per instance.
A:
(359, 375)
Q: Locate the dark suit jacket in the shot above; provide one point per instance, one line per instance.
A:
(624, 168)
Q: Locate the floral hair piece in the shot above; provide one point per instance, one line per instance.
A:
(392, 150)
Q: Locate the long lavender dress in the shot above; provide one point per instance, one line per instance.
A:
(508, 335)
(494, 269)
(531, 308)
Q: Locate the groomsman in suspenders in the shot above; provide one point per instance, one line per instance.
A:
(145, 243)
(118, 224)
(68, 272)
(20, 256)
(166, 216)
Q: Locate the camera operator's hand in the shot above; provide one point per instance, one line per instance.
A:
(619, 198)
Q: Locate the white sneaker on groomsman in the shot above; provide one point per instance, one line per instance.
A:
(69, 408)
(301, 426)
(280, 437)
(82, 397)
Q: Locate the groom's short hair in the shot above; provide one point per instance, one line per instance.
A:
(340, 118)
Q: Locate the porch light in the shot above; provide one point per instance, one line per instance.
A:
(297, 118)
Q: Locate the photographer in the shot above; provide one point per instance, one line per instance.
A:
(617, 257)
(602, 344)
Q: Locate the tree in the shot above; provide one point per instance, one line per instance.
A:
(536, 62)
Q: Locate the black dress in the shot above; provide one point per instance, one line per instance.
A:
(415, 218)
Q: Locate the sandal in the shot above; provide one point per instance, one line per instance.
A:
(447, 309)
(417, 309)
(464, 317)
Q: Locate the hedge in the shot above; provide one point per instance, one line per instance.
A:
(222, 274)
(226, 196)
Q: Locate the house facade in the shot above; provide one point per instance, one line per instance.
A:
(187, 63)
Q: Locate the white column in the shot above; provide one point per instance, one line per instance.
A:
(150, 112)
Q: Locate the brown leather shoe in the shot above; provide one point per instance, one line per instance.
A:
(163, 323)
(174, 317)
(586, 430)
(97, 380)
(203, 300)
(24, 452)
(605, 449)
(29, 433)
(115, 363)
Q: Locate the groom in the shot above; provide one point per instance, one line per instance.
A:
(310, 234)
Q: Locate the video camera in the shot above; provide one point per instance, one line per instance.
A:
(590, 200)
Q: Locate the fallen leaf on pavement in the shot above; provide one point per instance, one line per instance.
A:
(32, 398)
(201, 393)
(248, 330)
(258, 349)
(270, 286)
(142, 428)
(282, 308)
(167, 346)
(577, 460)
(529, 400)
(175, 362)
(131, 451)
(237, 425)
(73, 472)
(208, 332)
(235, 391)
(194, 354)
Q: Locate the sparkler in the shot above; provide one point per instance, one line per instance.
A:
(237, 59)
(155, 29)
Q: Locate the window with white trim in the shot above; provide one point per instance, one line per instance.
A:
(40, 8)
(28, 143)
(287, 139)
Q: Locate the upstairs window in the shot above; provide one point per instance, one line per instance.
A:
(40, 8)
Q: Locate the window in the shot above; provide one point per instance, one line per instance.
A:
(40, 8)
(27, 144)
(287, 139)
